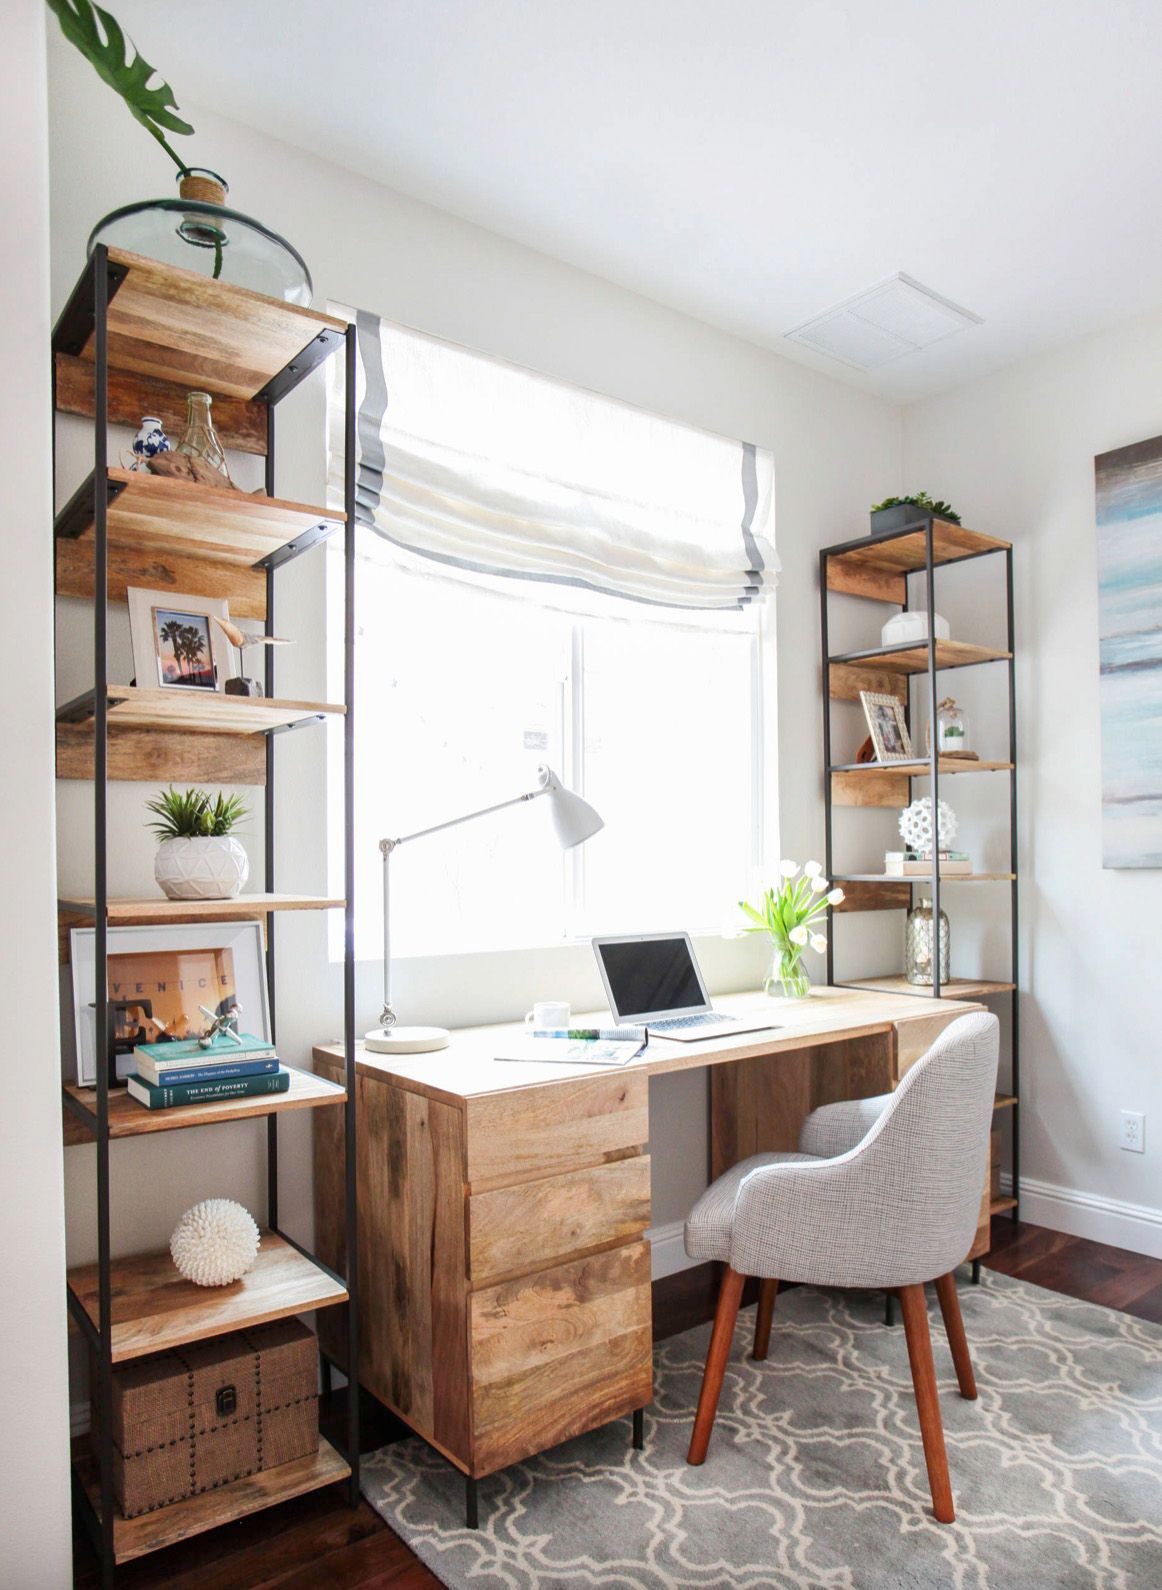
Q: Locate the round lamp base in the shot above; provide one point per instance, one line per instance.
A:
(406, 1040)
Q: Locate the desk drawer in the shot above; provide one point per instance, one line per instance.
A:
(536, 1131)
(516, 1230)
(560, 1352)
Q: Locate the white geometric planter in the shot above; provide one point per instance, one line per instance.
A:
(201, 869)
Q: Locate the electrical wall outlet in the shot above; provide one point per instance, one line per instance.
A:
(1133, 1131)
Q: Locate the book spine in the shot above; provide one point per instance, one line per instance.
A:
(217, 1073)
(166, 1097)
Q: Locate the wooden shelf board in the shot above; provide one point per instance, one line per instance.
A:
(955, 988)
(1005, 1101)
(183, 327)
(154, 1308)
(152, 513)
(914, 659)
(242, 906)
(999, 1205)
(128, 1118)
(918, 768)
(195, 711)
(877, 569)
(135, 1537)
(922, 878)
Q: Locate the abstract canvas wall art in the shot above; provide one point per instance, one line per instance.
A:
(1129, 553)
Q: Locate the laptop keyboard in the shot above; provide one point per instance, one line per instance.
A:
(704, 1018)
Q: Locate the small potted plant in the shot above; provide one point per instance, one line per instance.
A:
(896, 512)
(197, 858)
(789, 915)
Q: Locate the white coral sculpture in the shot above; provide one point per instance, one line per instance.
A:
(215, 1242)
(916, 825)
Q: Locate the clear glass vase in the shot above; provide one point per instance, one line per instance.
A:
(200, 232)
(201, 439)
(786, 977)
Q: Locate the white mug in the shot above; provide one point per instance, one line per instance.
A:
(548, 1013)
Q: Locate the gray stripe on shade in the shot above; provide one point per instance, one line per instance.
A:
(750, 501)
(371, 457)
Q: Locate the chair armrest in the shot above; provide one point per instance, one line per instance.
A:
(837, 1128)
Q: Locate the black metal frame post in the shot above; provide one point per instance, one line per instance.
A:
(933, 753)
(1015, 1008)
(350, 1188)
(102, 1046)
(269, 846)
(828, 849)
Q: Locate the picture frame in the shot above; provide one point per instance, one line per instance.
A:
(176, 644)
(887, 727)
(161, 974)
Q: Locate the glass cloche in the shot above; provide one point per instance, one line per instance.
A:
(199, 232)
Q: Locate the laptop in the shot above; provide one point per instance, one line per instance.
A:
(653, 980)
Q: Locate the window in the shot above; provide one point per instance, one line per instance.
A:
(463, 692)
(548, 576)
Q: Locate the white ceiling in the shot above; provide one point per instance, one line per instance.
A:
(750, 162)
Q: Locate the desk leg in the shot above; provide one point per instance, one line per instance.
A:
(639, 1429)
(471, 1510)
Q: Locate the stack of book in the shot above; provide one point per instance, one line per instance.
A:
(908, 864)
(169, 1074)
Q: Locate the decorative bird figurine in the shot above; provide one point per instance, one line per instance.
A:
(241, 639)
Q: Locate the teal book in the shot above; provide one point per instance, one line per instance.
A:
(187, 1052)
(166, 1097)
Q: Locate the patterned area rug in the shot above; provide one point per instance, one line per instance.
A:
(816, 1475)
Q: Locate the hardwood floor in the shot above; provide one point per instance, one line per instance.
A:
(318, 1543)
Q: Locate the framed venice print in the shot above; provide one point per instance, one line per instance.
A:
(158, 979)
(886, 725)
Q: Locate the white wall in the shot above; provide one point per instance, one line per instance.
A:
(34, 1476)
(1015, 454)
(835, 450)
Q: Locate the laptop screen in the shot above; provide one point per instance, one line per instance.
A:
(647, 975)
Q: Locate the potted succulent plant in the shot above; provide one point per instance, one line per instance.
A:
(198, 859)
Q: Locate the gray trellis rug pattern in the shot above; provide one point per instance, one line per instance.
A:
(816, 1475)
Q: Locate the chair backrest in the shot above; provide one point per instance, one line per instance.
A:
(928, 1151)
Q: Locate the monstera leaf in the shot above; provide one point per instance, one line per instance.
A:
(109, 54)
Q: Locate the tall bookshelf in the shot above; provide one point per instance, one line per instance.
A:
(134, 338)
(889, 569)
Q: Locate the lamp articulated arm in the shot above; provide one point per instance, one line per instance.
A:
(574, 819)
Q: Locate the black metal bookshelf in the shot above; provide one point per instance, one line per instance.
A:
(878, 568)
(161, 331)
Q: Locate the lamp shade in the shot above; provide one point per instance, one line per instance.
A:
(574, 820)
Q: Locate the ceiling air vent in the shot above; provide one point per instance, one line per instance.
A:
(883, 323)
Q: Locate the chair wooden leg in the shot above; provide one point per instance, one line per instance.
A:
(915, 1311)
(768, 1290)
(957, 1340)
(725, 1315)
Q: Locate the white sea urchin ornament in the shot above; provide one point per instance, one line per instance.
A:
(916, 825)
(215, 1242)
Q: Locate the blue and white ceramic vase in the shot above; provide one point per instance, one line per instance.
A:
(149, 441)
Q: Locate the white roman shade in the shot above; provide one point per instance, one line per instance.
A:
(491, 470)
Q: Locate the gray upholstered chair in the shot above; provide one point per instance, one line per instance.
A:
(883, 1193)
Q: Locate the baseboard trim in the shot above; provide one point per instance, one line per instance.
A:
(668, 1250)
(1136, 1227)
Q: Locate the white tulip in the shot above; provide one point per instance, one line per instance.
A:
(818, 943)
(788, 869)
(813, 869)
(836, 897)
(798, 935)
(818, 885)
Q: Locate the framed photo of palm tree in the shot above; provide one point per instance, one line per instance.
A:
(176, 643)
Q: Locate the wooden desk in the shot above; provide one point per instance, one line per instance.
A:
(504, 1271)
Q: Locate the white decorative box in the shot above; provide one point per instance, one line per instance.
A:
(908, 628)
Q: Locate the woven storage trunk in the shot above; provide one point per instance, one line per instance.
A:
(190, 1420)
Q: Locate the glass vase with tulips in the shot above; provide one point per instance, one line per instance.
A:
(789, 913)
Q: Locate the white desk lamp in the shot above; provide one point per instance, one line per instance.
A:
(574, 820)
